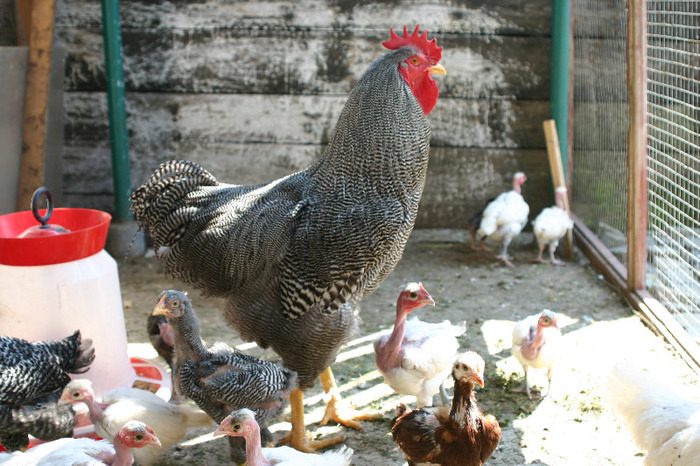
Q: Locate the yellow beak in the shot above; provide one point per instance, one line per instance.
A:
(160, 309)
(437, 69)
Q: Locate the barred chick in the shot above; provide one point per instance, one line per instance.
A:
(220, 379)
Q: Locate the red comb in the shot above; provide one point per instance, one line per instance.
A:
(428, 47)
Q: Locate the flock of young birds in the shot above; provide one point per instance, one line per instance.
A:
(293, 258)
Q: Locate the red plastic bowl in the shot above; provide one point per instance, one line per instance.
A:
(87, 236)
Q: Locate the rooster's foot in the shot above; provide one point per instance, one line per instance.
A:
(345, 416)
(304, 443)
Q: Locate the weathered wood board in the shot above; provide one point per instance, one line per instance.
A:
(252, 90)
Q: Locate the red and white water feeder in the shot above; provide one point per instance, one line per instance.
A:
(57, 278)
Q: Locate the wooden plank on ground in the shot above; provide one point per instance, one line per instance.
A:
(36, 101)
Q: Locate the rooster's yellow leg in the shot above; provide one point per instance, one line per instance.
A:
(297, 437)
(344, 416)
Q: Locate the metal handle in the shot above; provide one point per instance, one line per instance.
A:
(44, 220)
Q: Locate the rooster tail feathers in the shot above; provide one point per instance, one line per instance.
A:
(173, 180)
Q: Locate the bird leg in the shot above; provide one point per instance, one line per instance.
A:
(552, 248)
(539, 254)
(297, 437)
(503, 257)
(346, 416)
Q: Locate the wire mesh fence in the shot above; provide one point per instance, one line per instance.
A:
(673, 115)
(674, 157)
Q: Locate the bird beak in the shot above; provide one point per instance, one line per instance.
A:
(64, 400)
(479, 380)
(224, 427)
(425, 298)
(437, 69)
(152, 439)
(160, 309)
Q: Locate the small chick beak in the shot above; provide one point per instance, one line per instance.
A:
(64, 400)
(437, 69)
(152, 439)
(478, 379)
(224, 427)
(160, 309)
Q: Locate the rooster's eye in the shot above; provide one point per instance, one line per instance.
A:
(415, 61)
(176, 303)
(414, 295)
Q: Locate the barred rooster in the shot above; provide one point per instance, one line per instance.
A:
(32, 375)
(295, 256)
(220, 378)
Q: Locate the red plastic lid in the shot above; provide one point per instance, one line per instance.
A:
(87, 236)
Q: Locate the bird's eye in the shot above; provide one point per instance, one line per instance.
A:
(237, 427)
(415, 61)
(176, 303)
(545, 320)
(413, 295)
(76, 395)
(139, 438)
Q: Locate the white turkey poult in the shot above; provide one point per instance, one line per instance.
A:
(242, 423)
(504, 218)
(170, 421)
(537, 344)
(86, 451)
(416, 358)
(661, 420)
(551, 225)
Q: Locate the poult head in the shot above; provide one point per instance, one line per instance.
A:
(547, 319)
(77, 391)
(413, 296)
(237, 424)
(469, 367)
(171, 303)
(136, 434)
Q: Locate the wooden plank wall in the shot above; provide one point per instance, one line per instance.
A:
(252, 90)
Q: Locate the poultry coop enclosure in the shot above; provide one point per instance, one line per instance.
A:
(637, 68)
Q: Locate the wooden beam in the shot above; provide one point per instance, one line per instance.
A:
(637, 197)
(558, 178)
(36, 94)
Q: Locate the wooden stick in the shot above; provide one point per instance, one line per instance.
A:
(558, 179)
(36, 93)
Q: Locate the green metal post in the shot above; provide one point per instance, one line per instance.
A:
(117, 109)
(559, 90)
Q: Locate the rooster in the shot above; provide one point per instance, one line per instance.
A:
(32, 375)
(660, 419)
(504, 218)
(294, 257)
(87, 451)
(551, 225)
(417, 356)
(459, 435)
(120, 405)
(219, 378)
(537, 343)
(241, 423)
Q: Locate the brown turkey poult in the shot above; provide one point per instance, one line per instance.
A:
(295, 256)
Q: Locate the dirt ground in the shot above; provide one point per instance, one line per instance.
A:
(571, 425)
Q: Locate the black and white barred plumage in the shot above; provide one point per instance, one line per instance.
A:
(294, 256)
(32, 375)
(219, 378)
